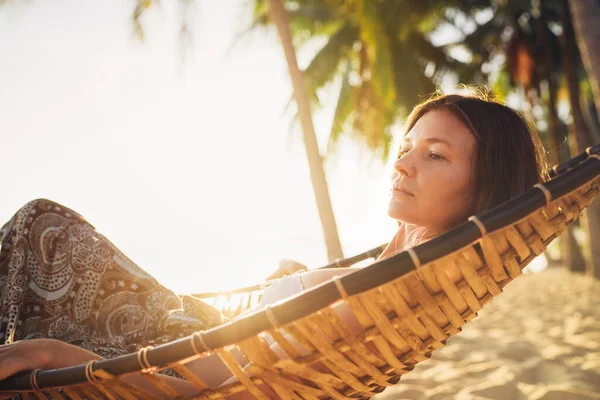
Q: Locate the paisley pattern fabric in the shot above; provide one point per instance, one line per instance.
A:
(61, 279)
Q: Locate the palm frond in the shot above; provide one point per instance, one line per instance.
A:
(377, 43)
(410, 80)
(343, 109)
(324, 65)
(140, 7)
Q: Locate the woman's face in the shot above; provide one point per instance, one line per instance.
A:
(433, 182)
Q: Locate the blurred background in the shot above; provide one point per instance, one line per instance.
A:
(210, 139)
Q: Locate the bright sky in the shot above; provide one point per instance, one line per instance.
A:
(189, 167)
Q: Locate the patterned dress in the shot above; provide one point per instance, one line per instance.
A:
(61, 279)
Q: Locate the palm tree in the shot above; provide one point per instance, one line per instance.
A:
(315, 162)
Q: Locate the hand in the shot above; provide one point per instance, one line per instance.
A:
(25, 355)
(287, 267)
(28, 355)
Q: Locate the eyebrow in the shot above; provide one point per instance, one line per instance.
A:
(431, 140)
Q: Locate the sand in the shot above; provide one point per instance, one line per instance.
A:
(538, 340)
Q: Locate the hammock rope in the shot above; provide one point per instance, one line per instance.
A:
(408, 304)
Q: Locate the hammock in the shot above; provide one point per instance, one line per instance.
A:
(408, 304)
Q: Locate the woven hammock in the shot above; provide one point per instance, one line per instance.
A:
(408, 304)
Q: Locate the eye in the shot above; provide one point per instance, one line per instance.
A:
(435, 156)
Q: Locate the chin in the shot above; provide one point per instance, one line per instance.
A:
(400, 213)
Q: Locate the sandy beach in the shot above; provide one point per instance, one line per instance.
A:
(538, 340)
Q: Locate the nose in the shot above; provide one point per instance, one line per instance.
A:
(405, 166)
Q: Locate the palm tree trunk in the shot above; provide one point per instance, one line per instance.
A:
(580, 140)
(315, 160)
(570, 252)
(590, 116)
(572, 28)
(585, 15)
(549, 75)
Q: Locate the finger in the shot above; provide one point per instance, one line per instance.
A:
(11, 365)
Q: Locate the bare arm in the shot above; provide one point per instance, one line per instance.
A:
(28, 355)
(315, 277)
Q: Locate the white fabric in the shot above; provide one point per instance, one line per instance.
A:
(281, 289)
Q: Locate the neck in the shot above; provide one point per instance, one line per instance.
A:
(404, 238)
(408, 229)
(396, 245)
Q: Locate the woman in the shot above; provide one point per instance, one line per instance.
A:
(70, 288)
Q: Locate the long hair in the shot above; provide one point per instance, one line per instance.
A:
(509, 158)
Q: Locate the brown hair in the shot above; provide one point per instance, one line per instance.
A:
(509, 154)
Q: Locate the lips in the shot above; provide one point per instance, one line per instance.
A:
(400, 189)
